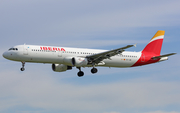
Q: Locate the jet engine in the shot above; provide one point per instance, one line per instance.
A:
(79, 61)
(60, 67)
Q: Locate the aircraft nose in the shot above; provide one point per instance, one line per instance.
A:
(5, 55)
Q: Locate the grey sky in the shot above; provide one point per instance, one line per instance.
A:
(91, 24)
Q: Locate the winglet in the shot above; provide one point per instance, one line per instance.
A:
(135, 45)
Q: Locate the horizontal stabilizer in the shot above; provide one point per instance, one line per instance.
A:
(163, 56)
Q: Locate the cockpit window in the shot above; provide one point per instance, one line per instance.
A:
(13, 49)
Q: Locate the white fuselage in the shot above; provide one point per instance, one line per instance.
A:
(58, 55)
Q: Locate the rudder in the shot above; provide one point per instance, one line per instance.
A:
(154, 46)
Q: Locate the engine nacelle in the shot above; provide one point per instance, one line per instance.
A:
(79, 61)
(60, 67)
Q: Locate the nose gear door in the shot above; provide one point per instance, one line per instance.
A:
(25, 50)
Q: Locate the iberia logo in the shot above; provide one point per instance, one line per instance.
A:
(52, 48)
(81, 59)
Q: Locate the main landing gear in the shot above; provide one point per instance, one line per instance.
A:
(94, 70)
(23, 64)
(81, 73)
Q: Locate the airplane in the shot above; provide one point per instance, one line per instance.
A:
(64, 58)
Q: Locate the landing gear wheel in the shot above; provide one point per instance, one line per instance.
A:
(94, 70)
(22, 69)
(80, 73)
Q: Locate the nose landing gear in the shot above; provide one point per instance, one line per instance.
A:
(23, 64)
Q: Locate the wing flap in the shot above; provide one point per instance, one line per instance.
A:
(96, 58)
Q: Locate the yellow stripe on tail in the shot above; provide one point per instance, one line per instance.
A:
(154, 46)
(158, 33)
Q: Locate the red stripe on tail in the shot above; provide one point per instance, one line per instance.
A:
(153, 48)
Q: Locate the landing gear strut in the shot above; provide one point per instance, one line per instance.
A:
(93, 70)
(80, 73)
(23, 64)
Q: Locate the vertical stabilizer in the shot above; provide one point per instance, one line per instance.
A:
(154, 46)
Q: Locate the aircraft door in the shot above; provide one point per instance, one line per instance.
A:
(143, 58)
(25, 50)
(59, 53)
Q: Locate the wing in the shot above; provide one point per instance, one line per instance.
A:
(96, 58)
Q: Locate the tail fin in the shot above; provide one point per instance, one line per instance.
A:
(154, 46)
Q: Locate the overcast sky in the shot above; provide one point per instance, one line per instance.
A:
(100, 24)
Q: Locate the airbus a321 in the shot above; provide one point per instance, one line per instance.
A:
(64, 58)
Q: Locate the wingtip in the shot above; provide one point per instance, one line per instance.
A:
(174, 53)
